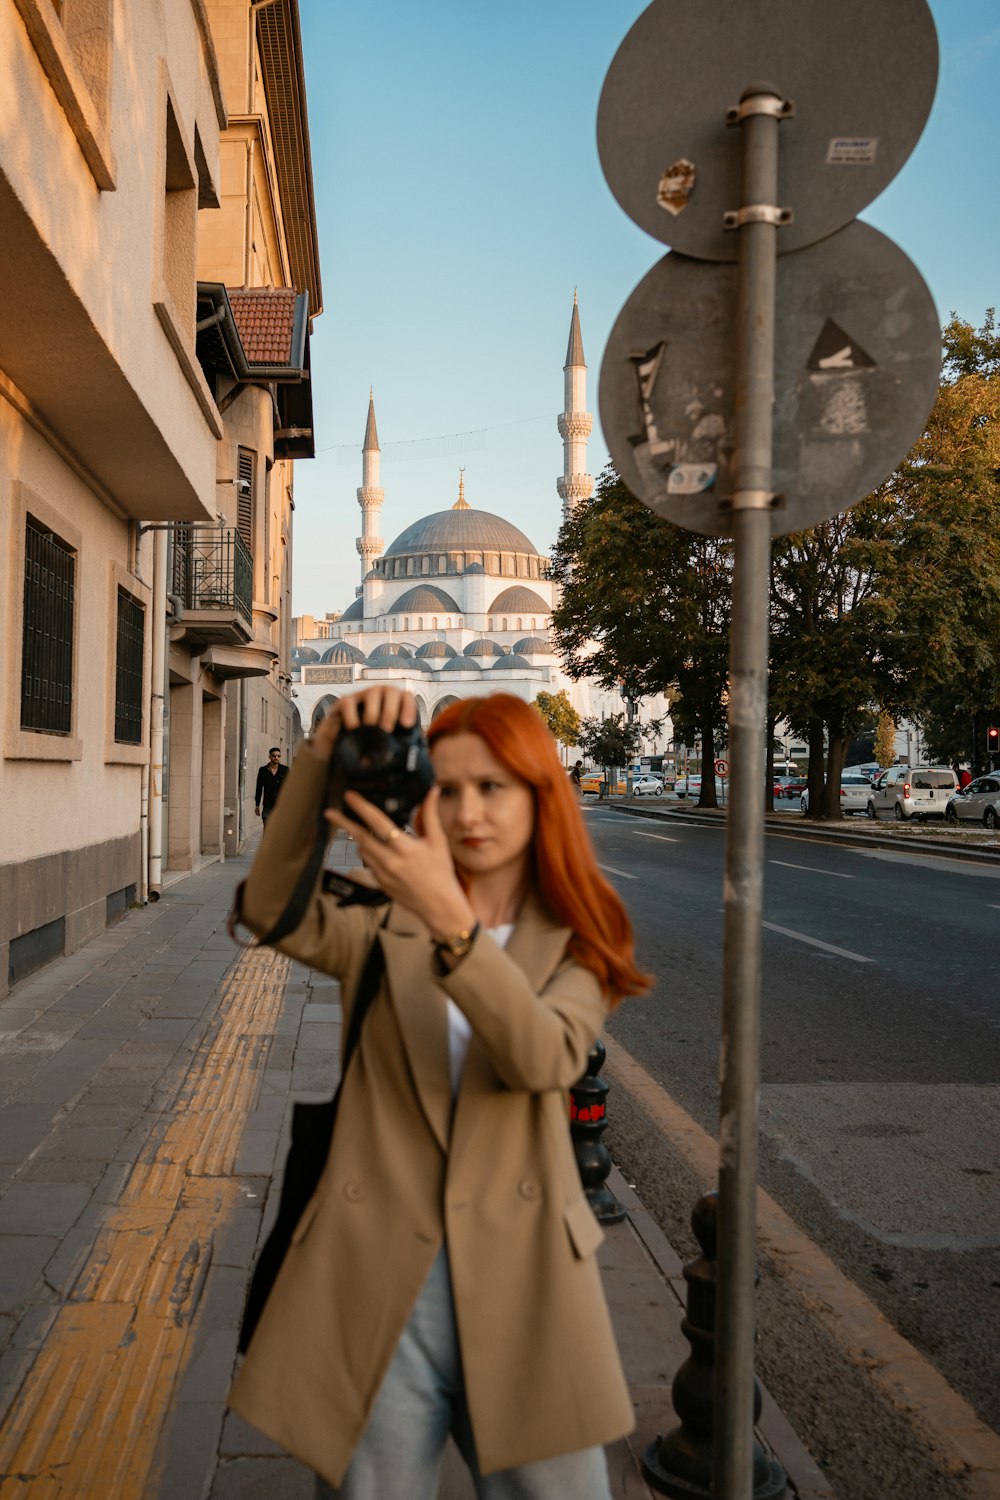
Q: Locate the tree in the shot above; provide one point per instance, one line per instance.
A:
(885, 740)
(560, 716)
(644, 608)
(610, 743)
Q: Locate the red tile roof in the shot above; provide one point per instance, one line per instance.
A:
(265, 318)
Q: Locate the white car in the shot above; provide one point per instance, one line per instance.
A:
(690, 786)
(979, 802)
(855, 790)
(647, 786)
(904, 792)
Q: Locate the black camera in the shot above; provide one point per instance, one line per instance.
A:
(390, 768)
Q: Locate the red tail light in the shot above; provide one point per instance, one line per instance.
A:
(842, 792)
(906, 788)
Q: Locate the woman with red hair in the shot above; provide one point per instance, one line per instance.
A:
(443, 1279)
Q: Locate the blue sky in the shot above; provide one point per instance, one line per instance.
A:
(460, 201)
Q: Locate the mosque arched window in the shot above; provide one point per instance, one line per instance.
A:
(520, 624)
(459, 562)
(406, 623)
(420, 624)
(434, 623)
(442, 564)
(409, 567)
(425, 564)
(503, 624)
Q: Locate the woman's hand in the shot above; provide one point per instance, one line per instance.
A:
(384, 707)
(416, 870)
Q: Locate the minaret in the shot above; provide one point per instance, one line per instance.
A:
(575, 484)
(370, 496)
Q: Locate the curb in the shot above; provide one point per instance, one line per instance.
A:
(774, 1429)
(816, 832)
(950, 1428)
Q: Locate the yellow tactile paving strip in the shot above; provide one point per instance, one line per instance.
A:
(86, 1422)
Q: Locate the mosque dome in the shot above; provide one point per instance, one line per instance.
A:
(459, 530)
(475, 568)
(388, 648)
(436, 649)
(461, 664)
(512, 663)
(424, 596)
(391, 661)
(355, 611)
(521, 599)
(484, 647)
(532, 645)
(342, 653)
(302, 655)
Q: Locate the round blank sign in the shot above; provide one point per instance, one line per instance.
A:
(861, 76)
(857, 361)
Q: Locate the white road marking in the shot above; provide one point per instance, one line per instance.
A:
(661, 836)
(813, 869)
(801, 937)
(623, 873)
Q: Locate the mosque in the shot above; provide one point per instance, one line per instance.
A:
(460, 603)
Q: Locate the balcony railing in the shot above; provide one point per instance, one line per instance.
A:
(213, 583)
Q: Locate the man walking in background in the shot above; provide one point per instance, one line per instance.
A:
(269, 779)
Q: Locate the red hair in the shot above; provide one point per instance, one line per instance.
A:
(565, 867)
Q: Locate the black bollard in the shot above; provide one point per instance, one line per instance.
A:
(588, 1116)
(680, 1464)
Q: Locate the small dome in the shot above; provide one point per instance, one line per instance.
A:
(355, 611)
(521, 599)
(532, 645)
(461, 664)
(389, 649)
(342, 653)
(512, 663)
(483, 647)
(393, 662)
(436, 648)
(303, 654)
(424, 596)
(475, 568)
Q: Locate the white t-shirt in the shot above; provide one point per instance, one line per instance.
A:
(459, 1030)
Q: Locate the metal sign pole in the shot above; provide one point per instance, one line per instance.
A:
(757, 223)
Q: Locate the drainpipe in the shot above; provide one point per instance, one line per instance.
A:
(156, 715)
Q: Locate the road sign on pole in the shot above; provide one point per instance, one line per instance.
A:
(857, 358)
(733, 424)
(860, 77)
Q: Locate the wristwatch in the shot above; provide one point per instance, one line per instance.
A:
(458, 946)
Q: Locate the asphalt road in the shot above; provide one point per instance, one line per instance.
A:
(880, 1065)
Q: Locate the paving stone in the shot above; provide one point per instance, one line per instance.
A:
(84, 1141)
(313, 1072)
(111, 1025)
(62, 1270)
(42, 1208)
(262, 1479)
(240, 1440)
(320, 1037)
(324, 1010)
(63, 1169)
(169, 1027)
(23, 1258)
(187, 1452)
(64, 1076)
(23, 1127)
(257, 1153)
(112, 1184)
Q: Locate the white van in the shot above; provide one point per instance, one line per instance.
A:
(905, 792)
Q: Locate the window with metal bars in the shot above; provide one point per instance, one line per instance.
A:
(128, 669)
(47, 632)
(246, 473)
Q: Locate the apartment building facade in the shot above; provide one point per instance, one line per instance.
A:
(146, 444)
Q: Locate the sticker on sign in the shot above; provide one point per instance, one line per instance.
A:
(852, 151)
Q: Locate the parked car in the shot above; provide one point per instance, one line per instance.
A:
(979, 802)
(855, 790)
(690, 786)
(795, 787)
(906, 792)
(647, 785)
(592, 782)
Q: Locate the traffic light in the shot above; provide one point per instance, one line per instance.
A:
(993, 738)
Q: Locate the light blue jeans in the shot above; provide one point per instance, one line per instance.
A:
(422, 1401)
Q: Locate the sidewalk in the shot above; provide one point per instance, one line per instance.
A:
(145, 1088)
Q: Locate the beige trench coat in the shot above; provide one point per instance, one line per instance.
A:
(492, 1173)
